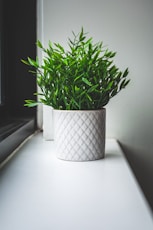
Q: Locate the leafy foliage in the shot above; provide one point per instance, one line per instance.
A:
(81, 78)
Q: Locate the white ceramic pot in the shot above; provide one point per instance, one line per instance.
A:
(48, 129)
(80, 134)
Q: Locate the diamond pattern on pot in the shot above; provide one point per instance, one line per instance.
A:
(80, 135)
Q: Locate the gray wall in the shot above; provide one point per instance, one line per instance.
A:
(125, 26)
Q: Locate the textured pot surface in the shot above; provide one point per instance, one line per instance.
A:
(80, 134)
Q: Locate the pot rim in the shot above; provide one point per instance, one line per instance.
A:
(79, 111)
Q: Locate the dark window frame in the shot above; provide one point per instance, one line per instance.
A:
(18, 37)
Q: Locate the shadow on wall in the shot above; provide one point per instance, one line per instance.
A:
(143, 174)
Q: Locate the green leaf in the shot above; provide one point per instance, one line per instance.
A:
(122, 84)
(33, 62)
(113, 70)
(77, 88)
(88, 96)
(60, 47)
(92, 88)
(78, 77)
(85, 80)
(81, 35)
(109, 86)
(25, 62)
(125, 73)
(31, 103)
(75, 103)
(38, 94)
(39, 44)
(114, 92)
(109, 54)
(126, 83)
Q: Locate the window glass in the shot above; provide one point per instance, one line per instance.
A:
(0, 53)
(0, 76)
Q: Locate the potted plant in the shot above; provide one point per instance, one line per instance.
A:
(77, 83)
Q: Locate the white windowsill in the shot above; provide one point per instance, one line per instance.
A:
(40, 192)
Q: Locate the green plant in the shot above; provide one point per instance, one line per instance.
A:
(81, 78)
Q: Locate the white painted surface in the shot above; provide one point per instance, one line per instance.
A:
(40, 192)
(48, 128)
(125, 26)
